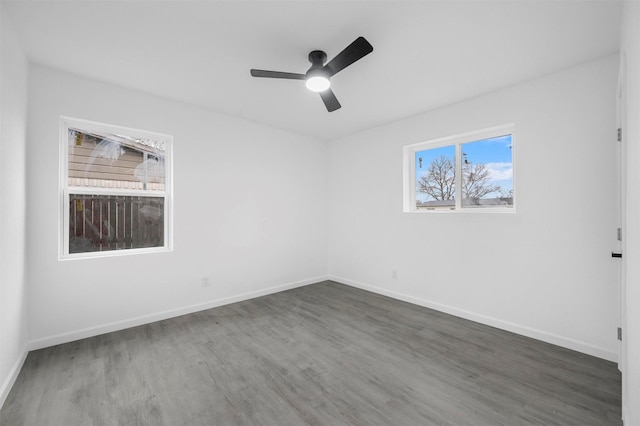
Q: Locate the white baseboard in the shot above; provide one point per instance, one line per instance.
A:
(11, 378)
(146, 319)
(544, 336)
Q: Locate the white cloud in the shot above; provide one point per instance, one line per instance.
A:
(500, 171)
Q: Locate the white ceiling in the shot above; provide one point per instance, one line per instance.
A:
(426, 53)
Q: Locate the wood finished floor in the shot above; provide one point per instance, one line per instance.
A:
(324, 354)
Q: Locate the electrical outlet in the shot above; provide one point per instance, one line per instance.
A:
(205, 282)
(394, 274)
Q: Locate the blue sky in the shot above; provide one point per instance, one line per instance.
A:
(494, 150)
(495, 153)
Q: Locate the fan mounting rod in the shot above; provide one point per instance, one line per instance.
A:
(317, 58)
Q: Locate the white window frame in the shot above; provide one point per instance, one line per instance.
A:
(409, 169)
(65, 190)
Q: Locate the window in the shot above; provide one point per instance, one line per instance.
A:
(115, 190)
(470, 172)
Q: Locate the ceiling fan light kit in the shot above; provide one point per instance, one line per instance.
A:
(317, 78)
(318, 83)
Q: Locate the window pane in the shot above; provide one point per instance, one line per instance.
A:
(110, 222)
(487, 173)
(435, 178)
(104, 160)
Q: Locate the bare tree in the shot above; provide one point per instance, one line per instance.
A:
(476, 181)
(439, 181)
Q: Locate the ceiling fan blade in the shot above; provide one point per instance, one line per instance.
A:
(277, 74)
(353, 52)
(330, 100)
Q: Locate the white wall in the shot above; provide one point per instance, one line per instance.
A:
(250, 212)
(545, 271)
(630, 52)
(13, 107)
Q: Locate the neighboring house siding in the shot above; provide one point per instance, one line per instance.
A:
(99, 163)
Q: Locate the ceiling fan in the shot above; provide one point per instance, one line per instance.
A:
(317, 77)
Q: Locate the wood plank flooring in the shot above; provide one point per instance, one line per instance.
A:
(324, 354)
